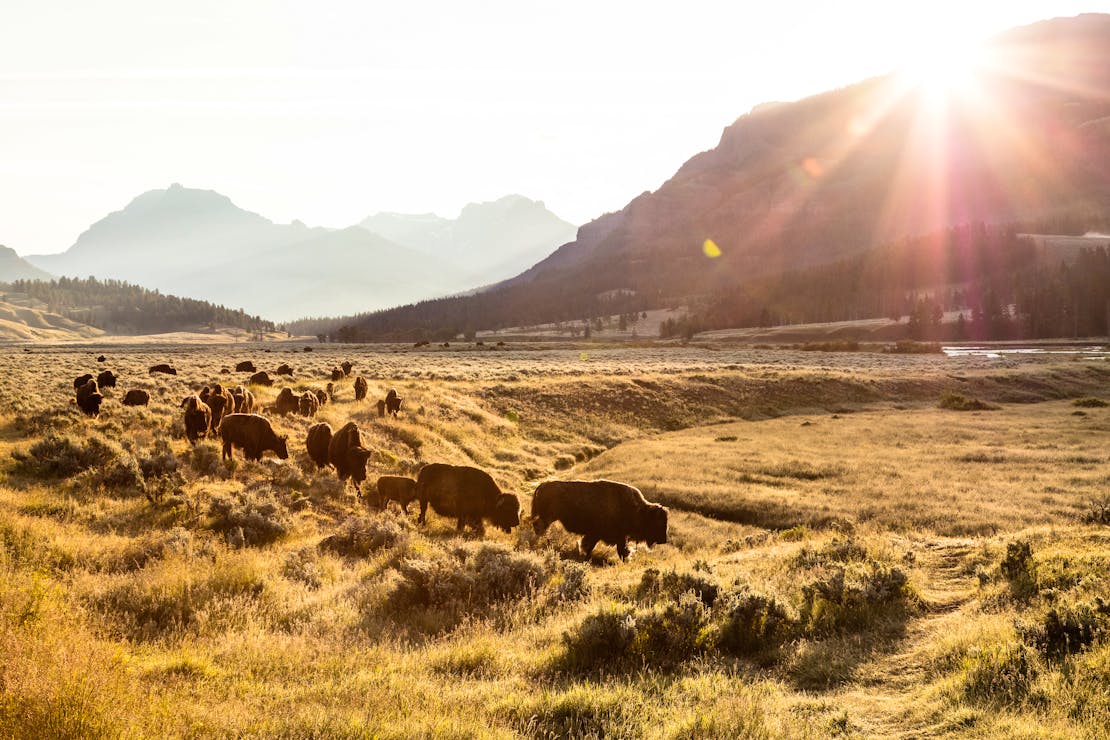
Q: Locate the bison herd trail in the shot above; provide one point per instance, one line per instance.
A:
(670, 541)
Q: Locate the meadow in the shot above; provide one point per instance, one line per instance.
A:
(861, 544)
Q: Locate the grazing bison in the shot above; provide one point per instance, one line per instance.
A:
(106, 379)
(337, 374)
(163, 368)
(286, 402)
(347, 365)
(599, 510)
(136, 397)
(317, 442)
(308, 404)
(396, 488)
(89, 398)
(260, 378)
(81, 380)
(321, 396)
(198, 418)
(220, 401)
(347, 438)
(244, 400)
(331, 391)
(284, 369)
(381, 408)
(101, 358)
(467, 494)
(392, 402)
(361, 387)
(245, 367)
(254, 434)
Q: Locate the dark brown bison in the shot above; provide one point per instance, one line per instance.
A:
(361, 387)
(254, 434)
(81, 380)
(220, 400)
(163, 368)
(245, 367)
(101, 358)
(106, 379)
(286, 402)
(321, 396)
(331, 391)
(599, 510)
(396, 488)
(317, 442)
(136, 397)
(381, 407)
(467, 494)
(392, 402)
(260, 378)
(244, 400)
(349, 456)
(337, 374)
(284, 369)
(198, 418)
(88, 398)
(347, 365)
(308, 404)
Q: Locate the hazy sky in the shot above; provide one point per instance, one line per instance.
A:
(330, 111)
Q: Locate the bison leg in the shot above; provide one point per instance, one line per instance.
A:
(461, 524)
(423, 518)
(227, 449)
(587, 544)
(622, 548)
(405, 507)
(479, 525)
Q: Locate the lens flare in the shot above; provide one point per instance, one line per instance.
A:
(711, 249)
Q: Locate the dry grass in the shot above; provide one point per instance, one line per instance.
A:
(845, 558)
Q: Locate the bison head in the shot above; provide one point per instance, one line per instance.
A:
(506, 511)
(281, 448)
(654, 523)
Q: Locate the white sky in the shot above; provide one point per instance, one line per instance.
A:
(331, 111)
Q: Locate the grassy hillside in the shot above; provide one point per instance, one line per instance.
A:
(23, 323)
(846, 557)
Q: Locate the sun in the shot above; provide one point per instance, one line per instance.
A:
(943, 70)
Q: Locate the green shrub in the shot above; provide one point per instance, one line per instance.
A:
(853, 597)
(910, 347)
(58, 456)
(750, 623)
(1068, 628)
(671, 634)
(303, 566)
(837, 550)
(205, 458)
(361, 536)
(600, 640)
(1019, 569)
(1001, 673)
(253, 516)
(573, 583)
(1090, 403)
(958, 402)
(655, 586)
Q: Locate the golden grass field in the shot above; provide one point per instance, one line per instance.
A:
(846, 557)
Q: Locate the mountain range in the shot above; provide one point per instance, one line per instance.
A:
(792, 186)
(197, 243)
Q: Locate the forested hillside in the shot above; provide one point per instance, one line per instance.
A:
(121, 308)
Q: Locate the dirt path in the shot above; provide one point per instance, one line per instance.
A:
(890, 695)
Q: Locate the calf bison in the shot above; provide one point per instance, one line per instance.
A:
(245, 367)
(81, 380)
(284, 369)
(286, 402)
(599, 510)
(198, 418)
(392, 402)
(220, 401)
(321, 397)
(260, 378)
(254, 434)
(106, 379)
(308, 404)
(381, 407)
(163, 368)
(244, 400)
(396, 488)
(136, 397)
(317, 442)
(89, 398)
(467, 494)
(361, 387)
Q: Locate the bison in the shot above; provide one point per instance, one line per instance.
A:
(136, 397)
(337, 374)
(260, 378)
(317, 443)
(88, 398)
(396, 488)
(321, 396)
(246, 366)
(220, 401)
(347, 365)
(284, 369)
(244, 400)
(106, 379)
(198, 418)
(381, 407)
(101, 358)
(163, 368)
(81, 380)
(599, 510)
(467, 494)
(254, 434)
(308, 404)
(361, 387)
(347, 453)
(392, 402)
(286, 402)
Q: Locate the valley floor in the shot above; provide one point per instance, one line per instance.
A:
(850, 553)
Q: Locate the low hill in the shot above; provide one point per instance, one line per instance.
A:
(21, 323)
(14, 267)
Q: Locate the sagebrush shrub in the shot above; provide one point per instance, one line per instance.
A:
(852, 597)
(751, 623)
(1000, 673)
(358, 536)
(1019, 569)
(655, 586)
(255, 512)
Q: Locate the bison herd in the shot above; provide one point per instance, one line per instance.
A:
(599, 511)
